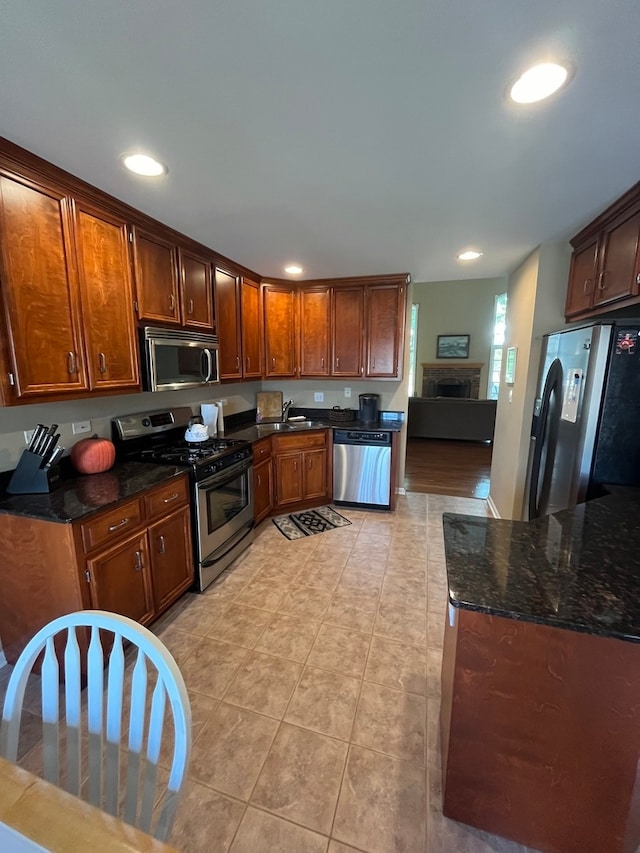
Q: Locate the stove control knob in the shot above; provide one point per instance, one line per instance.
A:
(146, 422)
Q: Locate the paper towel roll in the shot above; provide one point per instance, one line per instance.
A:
(210, 416)
(220, 420)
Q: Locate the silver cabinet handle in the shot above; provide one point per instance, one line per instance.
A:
(248, 363)
(601, 284)
(322, 362)
(172, 303)
(119, 524)
(338, 363)
(161, 546)
(138, 564)
(638, 278)
(259, 481)
(295, 466)
(102, 362)
(190, 307)
(273, 363)
(237, 362)
(373, 364)
(586, 287)
(72, 362)
(171, 498)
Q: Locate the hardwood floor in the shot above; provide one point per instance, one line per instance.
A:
(458, 468)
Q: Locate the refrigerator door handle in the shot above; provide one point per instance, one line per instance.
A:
(545, 441)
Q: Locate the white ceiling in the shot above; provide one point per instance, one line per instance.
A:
(354, 136)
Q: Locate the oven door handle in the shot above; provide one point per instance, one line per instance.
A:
(230, 543)
(226, 475)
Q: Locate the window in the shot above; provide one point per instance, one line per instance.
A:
(413, 338)
(495, 358)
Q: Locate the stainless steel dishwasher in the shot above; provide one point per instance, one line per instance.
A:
(362, 468)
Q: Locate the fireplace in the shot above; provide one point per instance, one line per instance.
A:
(451, 380)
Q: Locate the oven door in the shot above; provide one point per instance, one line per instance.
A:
(224, 509)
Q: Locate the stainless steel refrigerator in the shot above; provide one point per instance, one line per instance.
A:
(586, 421)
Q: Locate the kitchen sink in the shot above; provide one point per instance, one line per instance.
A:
(305, 424)
(277, 426)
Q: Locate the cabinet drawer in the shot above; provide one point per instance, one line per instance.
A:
(261, 450)
(166, 498)
(301, 441)
(110, 526)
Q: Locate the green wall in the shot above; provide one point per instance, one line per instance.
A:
(456, 308)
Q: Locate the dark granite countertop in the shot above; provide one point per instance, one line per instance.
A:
(247, 428)
(577, 569)
(79, 495)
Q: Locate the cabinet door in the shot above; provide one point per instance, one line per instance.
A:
(315, 324)
(347, 322)
(617, 264)
(106, 292)
(40, 290)
(228, 321)
(279, 330)
(289, 478)
(120, 580)
(196, 291)
(315, 474)
(582, 279)
(252, 347)
(262, 489)
(171, 558)
(156, 270)
(384, 331)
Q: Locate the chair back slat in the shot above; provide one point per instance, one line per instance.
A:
(154, 666)
(50, 688)
(95, 690)
(72, 703)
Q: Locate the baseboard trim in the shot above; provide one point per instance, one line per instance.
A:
(493, 509)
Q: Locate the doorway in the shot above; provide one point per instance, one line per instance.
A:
(445, 467)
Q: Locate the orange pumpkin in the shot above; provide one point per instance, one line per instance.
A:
(93, 455)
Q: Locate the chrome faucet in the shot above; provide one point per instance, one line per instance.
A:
(285, 408)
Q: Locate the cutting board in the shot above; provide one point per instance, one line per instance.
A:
(269, 405)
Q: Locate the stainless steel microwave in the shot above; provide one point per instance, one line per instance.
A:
(174, 359)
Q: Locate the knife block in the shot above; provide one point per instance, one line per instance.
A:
(30, 479)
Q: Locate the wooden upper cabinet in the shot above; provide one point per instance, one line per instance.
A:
(40, 290)
(582, 278)
(315, 328)
(106, 293)
(617, 267)
(385, 331)
(605, 266)
(280, 330)
(347, 325)
(156, 271)
(251, 323)
(227, 296)
(196, 291)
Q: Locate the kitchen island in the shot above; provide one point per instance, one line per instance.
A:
(540, 713)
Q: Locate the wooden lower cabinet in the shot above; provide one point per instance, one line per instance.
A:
(262, 489)
(134, 558)
(301, 469)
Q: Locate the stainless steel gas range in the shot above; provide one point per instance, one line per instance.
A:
(221, 474)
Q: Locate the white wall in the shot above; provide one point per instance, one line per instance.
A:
(457, 308)
(536, 297)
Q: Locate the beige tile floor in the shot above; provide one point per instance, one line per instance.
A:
(313, 668)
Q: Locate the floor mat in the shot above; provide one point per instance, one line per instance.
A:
(301, 524)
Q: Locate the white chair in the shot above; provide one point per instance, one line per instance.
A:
(104, 717)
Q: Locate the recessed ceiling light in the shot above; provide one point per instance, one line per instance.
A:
(539, 82)
(293, 269)
(143, 164)
(469, 255)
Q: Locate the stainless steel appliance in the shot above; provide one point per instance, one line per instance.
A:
(368, 411)
(362, 468)
(174, 359)
(586, 422)
(221, 473)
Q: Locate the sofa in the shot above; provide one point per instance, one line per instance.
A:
(451, 418)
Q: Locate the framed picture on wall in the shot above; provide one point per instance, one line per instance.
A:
(453, 346)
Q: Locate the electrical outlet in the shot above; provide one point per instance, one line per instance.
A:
(347, 392)
(28, 435)
(81, 426)
(318, 396)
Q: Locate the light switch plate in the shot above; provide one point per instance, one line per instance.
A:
(318, 396)
(347, 392)
(81, 426)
